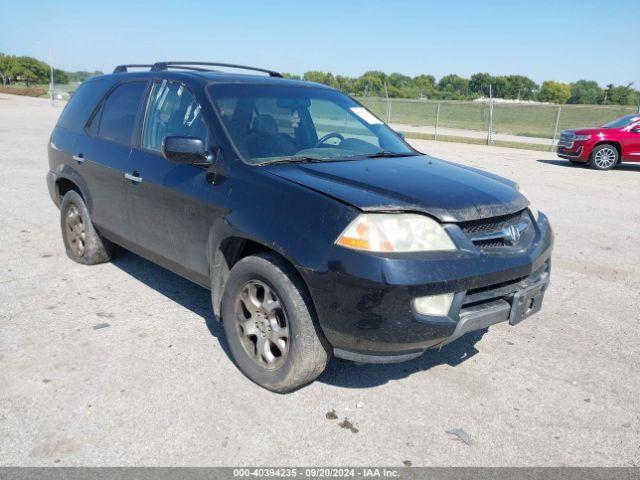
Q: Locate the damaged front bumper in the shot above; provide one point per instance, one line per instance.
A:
(371, 320)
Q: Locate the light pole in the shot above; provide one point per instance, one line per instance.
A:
(51, 72)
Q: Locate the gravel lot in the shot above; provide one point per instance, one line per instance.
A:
(154, 386)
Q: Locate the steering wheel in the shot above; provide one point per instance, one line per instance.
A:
(327, 137)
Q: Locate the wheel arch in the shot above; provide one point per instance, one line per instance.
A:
(66, 178)
(227, 250)
(614, 143)
(64, 185)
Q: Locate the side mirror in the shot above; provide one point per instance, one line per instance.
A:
(186, 150)
(635, 129)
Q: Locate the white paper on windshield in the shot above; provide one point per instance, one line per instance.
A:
(366, 115)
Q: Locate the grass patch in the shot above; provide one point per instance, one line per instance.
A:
(39, 90)
(478, 141)
(25, 91)
(529, 120)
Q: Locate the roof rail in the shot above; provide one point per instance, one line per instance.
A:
(188, 66)
(124, 68)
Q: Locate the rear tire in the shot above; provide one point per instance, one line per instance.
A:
(270, 324)
(81, 241)
(604, 157)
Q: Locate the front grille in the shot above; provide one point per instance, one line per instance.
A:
(492, 243)
(566, 140)
(493, 233)
(489, 225)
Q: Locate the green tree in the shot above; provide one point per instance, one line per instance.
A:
(554, 92)
(426, 85)
(6, 64)
(520, 87)
(372, 82)
(586, 92)
(620, 95)
(479, 83)
(27, 75)
(60, 76)
(455, 86)
(500, 87)
(345, 84)
(314, 76)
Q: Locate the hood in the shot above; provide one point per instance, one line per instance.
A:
(446, 191)
(585, 130)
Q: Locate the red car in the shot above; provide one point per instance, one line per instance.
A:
(603, 147)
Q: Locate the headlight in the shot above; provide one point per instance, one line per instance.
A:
(399, 232)
(581, 138)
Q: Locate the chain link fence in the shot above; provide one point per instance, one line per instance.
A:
(527, 123)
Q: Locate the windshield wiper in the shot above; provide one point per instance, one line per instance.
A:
(301, 159)
(387, 154)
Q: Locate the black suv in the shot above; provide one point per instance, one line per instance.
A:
(317, 228)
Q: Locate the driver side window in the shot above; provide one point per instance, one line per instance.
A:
(172, 110)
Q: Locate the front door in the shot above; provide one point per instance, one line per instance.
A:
(172, 204)
(632, 144)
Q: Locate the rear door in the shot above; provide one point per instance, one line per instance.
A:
(103, 156)
(171, 203)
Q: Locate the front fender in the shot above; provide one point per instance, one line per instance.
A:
(297, 223)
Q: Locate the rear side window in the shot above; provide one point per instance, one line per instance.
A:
(119, 112)
(81, 104)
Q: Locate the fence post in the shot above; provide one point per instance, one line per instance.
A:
(555, 130)
(490, 130)
(435, 136)
(386, 94)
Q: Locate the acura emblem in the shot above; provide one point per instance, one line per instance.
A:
(512, 233)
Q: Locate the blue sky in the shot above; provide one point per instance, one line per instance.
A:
(544, 39)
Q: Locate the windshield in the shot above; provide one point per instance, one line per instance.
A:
(271, 123)
(622, 121)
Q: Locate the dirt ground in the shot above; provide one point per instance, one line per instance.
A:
(122, 363)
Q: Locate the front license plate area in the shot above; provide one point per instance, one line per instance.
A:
(526, 303)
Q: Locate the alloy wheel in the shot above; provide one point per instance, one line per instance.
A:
(262, 324)
(76, 232)
(605, 158)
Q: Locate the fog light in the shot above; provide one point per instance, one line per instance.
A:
(435, 305)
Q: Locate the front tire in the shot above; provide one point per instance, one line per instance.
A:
(604, 157)
(270, 325)
(81, 240)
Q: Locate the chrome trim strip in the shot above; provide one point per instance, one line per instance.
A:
(502, 234)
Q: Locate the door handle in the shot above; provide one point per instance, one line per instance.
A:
(79, 158)
(133, 177)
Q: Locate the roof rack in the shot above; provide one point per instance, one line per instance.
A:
(124, 68)
(188, 66)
